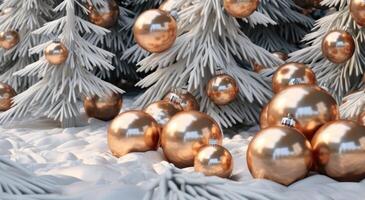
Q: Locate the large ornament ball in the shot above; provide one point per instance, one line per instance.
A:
(222, 89)
(9, 39)
(133, 131)
(339, 150)
(184, 135)
(162, 111)
(214, 160)
(309, 105)
(6, 95)
(105, 16)
(155, 30)
(187, 101)
(103, 108)
(287, 73)
(240, 8)
(357, 10)
(263, 117)
(280, 154)
(56, 53)
(338, 46)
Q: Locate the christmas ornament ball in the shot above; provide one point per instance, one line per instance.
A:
(338, 46)
(357, 10)
(162, 111)
(133, 131)
(56, 53)
(9, 39)
(361, 119)
(263, 117)
(214, 160)
(292, 72)
(310, 106)
(222, 89)
(186, 100)
(105, 15)
(240, 8)
(184, 135)
(155, 30)
(339, 150)
(281, 55)
(6, 95)
(280, 154)
(103, 108)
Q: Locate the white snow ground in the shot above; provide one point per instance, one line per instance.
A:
(79, 159)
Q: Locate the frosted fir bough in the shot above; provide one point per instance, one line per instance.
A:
(339, 79)
(24, 17)
(289, 28)
(60, 88)
(209, 39)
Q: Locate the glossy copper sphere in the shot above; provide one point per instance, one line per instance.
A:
(162, 111)
(155, 30)
(105, 16)
(280, 154)
(285, 74)
(133, 131)
(357, 10)
(186, 101)
(184, 135)
(338, 46)
(240, 8)
(361, 119)
(222, 89)
(56, 53)
(9, 39)
(214, 160)
(339, 150)
(309, 105)
(6, 95)
(263, 117)
(103, 108)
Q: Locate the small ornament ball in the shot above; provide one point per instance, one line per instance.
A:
(357, 10)
(6, 95)
(338, 46)
(214, 160)
(296, 72)
(279, 153)
(185, 134)
(155, 30)
(56, 53)
(133, 131)
(103, 108)
(263, 117)
(222, 89)
(240, 8)
(9, 39)
(339, 150)
(162, 111)
(186, 100)
(106, 15)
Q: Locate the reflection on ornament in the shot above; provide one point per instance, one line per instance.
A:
(162, 111)
(155, 30)
(296, 72)
(240, 8)
(133, 131)
(103, 108)
(214, 160)
(9, 39)
(280, 154)
(106, 15)
(310, 106)
(339, 150)
(56, 53)
(6, 95)
(184, 135)
(222, 89)
(338, 46)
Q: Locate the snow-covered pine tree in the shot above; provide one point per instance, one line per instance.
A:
(289, 28)
(339, 79)
(23, 17)
(61, 86)
(209, 40)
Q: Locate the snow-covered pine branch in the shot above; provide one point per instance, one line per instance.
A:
(61, 86)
